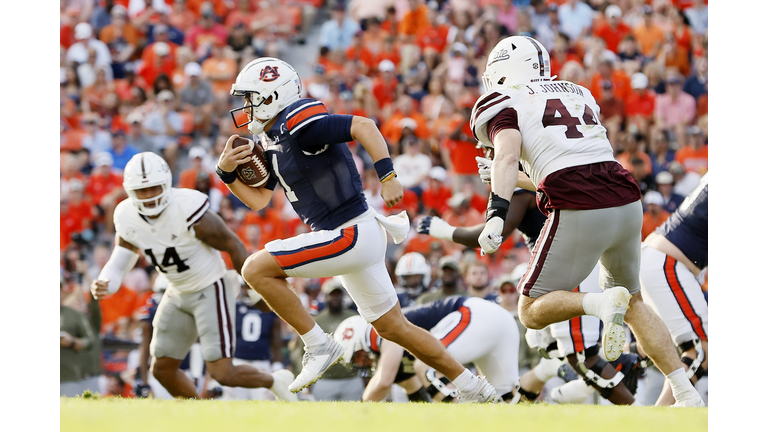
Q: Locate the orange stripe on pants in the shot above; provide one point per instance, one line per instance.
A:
(682, 299)
(460, 327)
(313, 253)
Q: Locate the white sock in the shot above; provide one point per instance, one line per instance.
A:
(679, 383)
(546, 369)
(315, 337)
(592, 303)
(467, 381)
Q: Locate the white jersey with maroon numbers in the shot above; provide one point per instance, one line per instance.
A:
(558, 122)
(169, 243)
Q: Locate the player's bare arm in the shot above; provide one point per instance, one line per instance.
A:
(518, 205)
(256, 198)
(212, 231)
(507, 147)
(124, 257)
(386, 371)
(525, 182)
(364, 130)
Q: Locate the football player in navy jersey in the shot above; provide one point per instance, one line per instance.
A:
(472, 329)
(306, 149)
(259, 342)
(673, 260)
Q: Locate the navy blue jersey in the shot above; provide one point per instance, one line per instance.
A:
(687, 227)
(428, 315)
(308, 155)
(147, 313)
(254, 332)
(532, 222)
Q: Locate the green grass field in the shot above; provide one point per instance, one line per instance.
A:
(106, 415)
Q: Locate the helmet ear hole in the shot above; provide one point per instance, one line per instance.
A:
(501, 81)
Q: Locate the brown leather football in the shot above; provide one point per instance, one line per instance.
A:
(255, 172)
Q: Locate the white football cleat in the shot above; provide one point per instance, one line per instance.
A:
(316, 362)
(690, 400)
(282, 379)
(615, 305)
(483, 393)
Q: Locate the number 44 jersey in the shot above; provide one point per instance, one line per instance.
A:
(558, 121)
(169, 243)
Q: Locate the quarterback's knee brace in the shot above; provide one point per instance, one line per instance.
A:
(439, 385)
(592, 375)
(694, 365)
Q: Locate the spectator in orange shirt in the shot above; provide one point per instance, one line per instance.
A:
(561, 53)
(405, 116)
(459, 150)
(649, 34)
(460, 213)
(161, 61)
(77, 213)
(612, 113)
(694, 156)
(204, 34)
(607, 72)
(357, 52)
(159, 34)
(188, 177)
(220, 68)
(384, 85)
(613, 30)
(633, 147)
(672, 55)
(640, 104)
(243, 14)
(181, 17)
(433, 39)
(435, 197)
(269, 220)
(415, 20)
(374, 36)
(105, 188)
(654, 214)
(121, 37)
(390, 51)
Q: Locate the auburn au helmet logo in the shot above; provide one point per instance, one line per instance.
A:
(269, 74)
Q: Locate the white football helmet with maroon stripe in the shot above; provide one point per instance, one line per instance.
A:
(516, 60)
(268, 85)
(146, 170)
(413, 263)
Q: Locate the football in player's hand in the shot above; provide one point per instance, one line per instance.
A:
(255, 172)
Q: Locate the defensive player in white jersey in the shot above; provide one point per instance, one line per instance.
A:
(552, 130)
(176, 231)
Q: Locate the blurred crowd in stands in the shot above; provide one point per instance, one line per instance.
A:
(154, 75)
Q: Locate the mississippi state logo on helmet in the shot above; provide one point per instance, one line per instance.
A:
(269, 74)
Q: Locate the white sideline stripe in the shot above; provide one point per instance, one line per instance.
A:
(290, 114)
(538, 256)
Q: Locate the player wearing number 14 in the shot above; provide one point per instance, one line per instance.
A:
(551, 129)
(177, 232)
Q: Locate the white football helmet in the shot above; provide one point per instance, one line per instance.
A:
(354, 334)
(413, 263)
(268, 85)
(145, 170)
(516, 60)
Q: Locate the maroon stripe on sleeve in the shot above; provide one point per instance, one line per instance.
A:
(198, 210)
(505, 119)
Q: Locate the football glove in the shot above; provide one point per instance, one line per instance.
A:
(490, 239)
(436, 227)
(484, 168)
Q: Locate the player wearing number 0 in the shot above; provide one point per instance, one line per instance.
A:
(551, 129)
(176, 231)
(307, 152)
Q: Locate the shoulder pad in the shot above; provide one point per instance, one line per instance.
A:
(192, 204)
(303, 112)
(485, 109)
